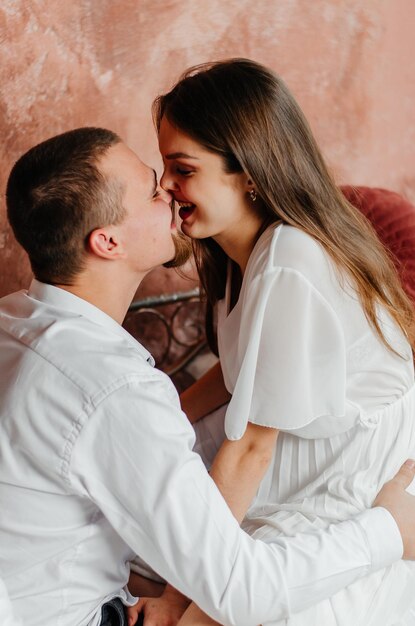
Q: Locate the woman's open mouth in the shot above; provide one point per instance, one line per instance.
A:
(186, 209)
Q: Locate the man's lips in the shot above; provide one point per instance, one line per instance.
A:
(173, 215)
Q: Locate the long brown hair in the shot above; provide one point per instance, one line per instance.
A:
(245, 113)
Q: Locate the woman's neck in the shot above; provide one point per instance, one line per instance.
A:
(238, 244)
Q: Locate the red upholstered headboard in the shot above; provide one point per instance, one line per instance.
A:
(393, 218)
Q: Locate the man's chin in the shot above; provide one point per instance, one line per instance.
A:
(183, 251)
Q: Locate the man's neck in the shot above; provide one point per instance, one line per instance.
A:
(113, 295)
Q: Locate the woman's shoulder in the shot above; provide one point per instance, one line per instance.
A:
(293, 249)
(297, 259)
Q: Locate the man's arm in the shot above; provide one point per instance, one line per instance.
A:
(237, 470)
(156, 494)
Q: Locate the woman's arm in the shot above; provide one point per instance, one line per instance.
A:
(140, 586)
(240, 465)
(205, 395)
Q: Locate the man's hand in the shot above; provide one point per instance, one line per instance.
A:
(401, 505)
(163, 611)
(195, 617)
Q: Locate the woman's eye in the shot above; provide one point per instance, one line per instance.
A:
(183, 172)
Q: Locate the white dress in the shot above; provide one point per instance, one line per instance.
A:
(298, 354)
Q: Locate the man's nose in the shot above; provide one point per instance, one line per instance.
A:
(165, 195)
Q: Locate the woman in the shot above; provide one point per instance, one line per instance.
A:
(314, 331)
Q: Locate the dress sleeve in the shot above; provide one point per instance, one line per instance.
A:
(293, 368)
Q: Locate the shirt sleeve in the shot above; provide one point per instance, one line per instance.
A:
(292, 370)
(7, 616)
(133, 458)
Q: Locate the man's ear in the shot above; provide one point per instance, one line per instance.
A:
(105, 243)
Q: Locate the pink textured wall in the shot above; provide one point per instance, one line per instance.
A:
(350, 64)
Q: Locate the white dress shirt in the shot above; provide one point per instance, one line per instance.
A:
(96, 466)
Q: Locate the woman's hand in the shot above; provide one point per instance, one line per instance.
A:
(163, 611)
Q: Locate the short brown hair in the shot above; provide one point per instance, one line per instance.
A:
(56, 196)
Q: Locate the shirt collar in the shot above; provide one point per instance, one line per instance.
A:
(63, 299)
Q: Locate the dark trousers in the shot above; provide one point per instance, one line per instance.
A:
(113, 614)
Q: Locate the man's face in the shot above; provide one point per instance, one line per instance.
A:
(146, 232)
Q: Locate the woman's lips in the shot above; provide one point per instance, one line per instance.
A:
(186, 211)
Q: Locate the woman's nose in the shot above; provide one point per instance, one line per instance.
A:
(167, 182)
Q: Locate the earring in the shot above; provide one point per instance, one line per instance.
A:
(253, 195)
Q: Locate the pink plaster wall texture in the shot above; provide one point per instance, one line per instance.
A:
(97, 62)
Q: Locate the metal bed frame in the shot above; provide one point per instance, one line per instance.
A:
(171, 327)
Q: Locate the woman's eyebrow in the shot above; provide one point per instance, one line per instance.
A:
(180, 155)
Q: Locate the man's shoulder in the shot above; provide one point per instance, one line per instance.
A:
(89, 355)
(93, 356)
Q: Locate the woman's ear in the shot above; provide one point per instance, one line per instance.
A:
(105, 243)
(250, 189)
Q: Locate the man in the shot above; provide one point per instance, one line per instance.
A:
(96, 461)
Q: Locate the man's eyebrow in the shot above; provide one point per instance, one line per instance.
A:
(180, 155)
(154, 189)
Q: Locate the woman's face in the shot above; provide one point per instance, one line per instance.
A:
(212, 202)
